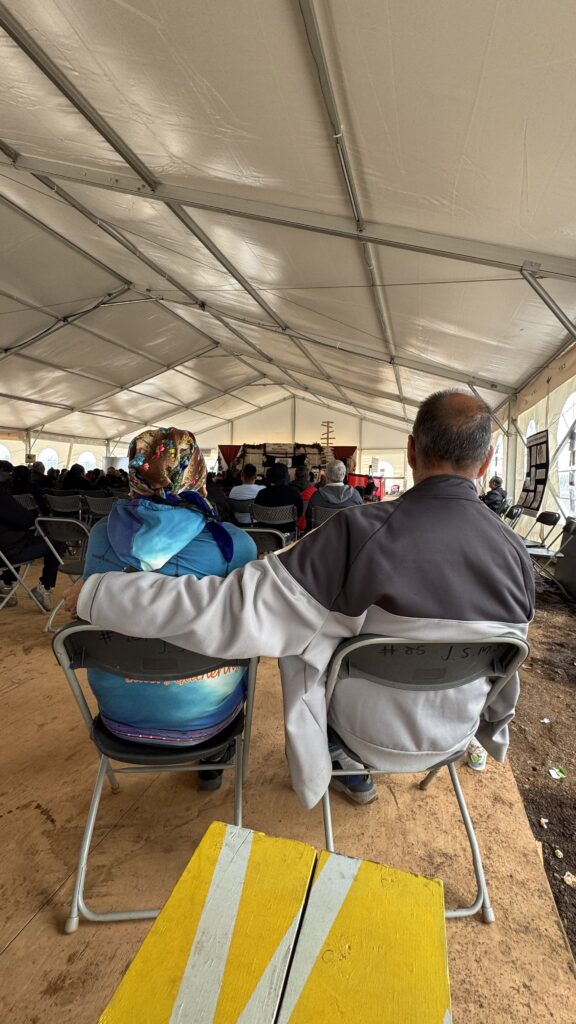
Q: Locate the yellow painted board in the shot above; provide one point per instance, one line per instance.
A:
(372, 949)
(219, 951)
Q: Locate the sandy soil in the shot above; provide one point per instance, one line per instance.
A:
(549, 692)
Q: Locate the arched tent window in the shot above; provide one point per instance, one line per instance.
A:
(5, 453)
(567, 457)
(531, 428)
(87, 460)
(49, 457)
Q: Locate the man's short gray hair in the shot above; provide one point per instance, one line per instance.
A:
(453, 427)
(335, 471)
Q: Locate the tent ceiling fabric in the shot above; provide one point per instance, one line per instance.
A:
(154, 161)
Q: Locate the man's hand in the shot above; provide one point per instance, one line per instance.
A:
(71, 595)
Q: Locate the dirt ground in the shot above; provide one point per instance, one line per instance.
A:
(549, 692)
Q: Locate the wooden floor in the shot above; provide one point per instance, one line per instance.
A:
(514, 972)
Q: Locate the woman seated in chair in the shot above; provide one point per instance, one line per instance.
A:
(168, 526)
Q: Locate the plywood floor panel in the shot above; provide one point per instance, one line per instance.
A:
(517, 971)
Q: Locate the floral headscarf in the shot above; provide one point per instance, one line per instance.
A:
(167, 464)
(165, 461)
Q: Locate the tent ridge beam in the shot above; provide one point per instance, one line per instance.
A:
(314, 37)
(396, 236)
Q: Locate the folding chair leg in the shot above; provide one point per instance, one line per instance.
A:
(238, 777)
(482, 897)
(73, 918)
(79, 908)
(112, 779)
(425, 782)
(326, 811)
(48, 628)
(19, 582)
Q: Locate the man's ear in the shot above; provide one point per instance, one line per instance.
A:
(486, 463)
(411, 452)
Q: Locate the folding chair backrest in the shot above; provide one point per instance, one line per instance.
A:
(512, 515)
(139, 658)
(99, 506)
(550, 519)
(82, 646)
(243, 506)
(431, 665)
(272, 515)
(322, 515)
(65, 504)
(266, 540)
(56, 530)
(28, 501)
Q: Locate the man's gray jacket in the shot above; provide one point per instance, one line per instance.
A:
(434, 564)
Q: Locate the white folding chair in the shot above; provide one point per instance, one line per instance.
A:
(82, 646)
(391, 662)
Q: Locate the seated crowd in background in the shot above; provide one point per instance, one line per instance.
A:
(20, 545)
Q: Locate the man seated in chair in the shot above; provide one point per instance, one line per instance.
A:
(279, 493)
(496, 497)
(167, 526)
(335, 494)
(246, 491)
(415, 568)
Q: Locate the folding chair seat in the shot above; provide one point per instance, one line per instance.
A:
(398, 664)
(321, 515)
(267, 540)
(19, 571)
(265, 516)
(83, 646)
(64, 536)
(242, 506)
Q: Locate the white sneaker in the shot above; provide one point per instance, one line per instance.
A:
(43, 597)
(12, 600)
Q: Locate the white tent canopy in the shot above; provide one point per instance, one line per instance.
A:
(208, 209)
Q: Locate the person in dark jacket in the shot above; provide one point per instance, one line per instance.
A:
(75, 479)
(38, 477)
(19, 545)
(335, 494)
(495, 499)
(279, 492)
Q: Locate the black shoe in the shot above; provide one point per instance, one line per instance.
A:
(212, 779)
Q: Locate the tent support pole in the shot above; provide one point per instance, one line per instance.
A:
(528, 273)
(511, 452)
